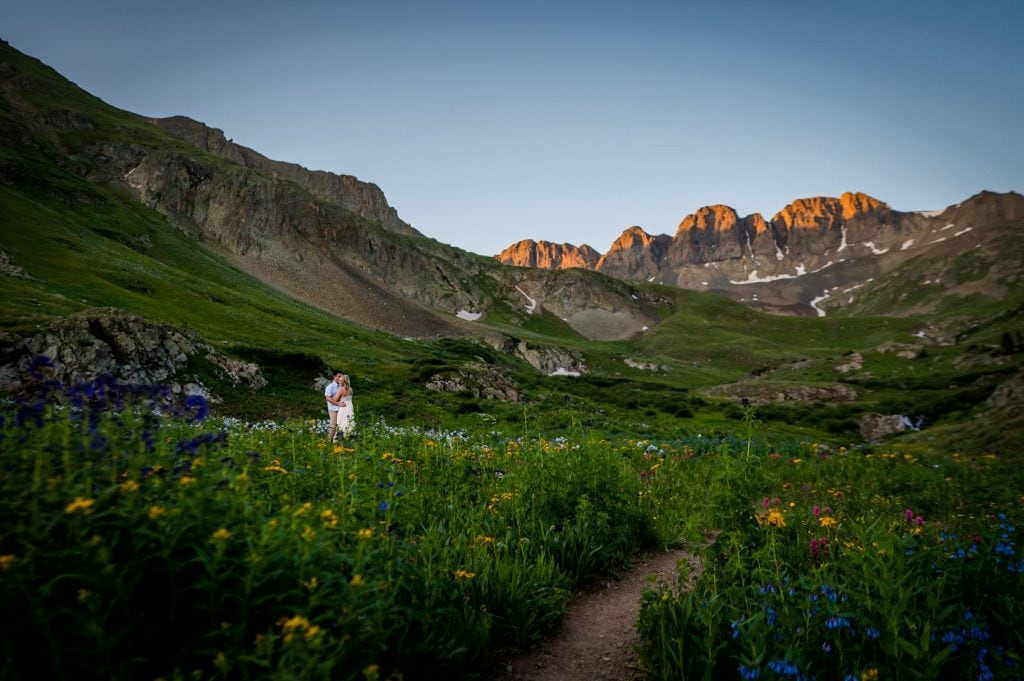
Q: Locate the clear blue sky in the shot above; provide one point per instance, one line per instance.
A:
(485, 122)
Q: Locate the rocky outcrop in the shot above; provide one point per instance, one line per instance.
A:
(875, 427)
(483, 381)
(109, 342)
(548, 255)
(645, 366)
(7, 267)
(760, 393)
(548, 359)
(364, 199)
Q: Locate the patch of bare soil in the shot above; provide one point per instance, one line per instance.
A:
(598, 638)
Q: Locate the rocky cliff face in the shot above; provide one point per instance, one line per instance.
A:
(345, 191)
(635, 255)
(549, 256)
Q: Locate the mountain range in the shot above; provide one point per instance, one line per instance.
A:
(811, 256)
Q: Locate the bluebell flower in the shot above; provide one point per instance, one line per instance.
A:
(749, 672)
(872, 633)
(836, 622)
(383, 506)
(771, 615)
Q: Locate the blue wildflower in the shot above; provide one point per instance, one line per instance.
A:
(383, 506)
(771, 615)
(872, 633)
(195, 408)
(836, 622)
(749, 672)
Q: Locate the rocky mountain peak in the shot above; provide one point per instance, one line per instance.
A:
(549, 255)
(718, 218)
(825, 212)
(632, 238)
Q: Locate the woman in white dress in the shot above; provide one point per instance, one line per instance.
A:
(346, 413)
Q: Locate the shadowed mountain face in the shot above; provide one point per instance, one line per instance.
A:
(808, 251)
(330, 240)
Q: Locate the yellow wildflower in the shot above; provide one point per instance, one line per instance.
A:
(771, 517)
(827, 521)
(309, 534)
(329, 518)
(484, 540)
(292, 626)
(276, 468)
(365, 533)
(312, 632)
(80, 505)
(156, 511)
(187, 480)
(220, 662)
(7, 560)
(463, 575)
(83, 595)
(223, 534)
(371, 672)
(357, 580)
(869, 674)
(129, 486)
(311, 584)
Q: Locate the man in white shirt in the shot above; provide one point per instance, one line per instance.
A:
(333, 404)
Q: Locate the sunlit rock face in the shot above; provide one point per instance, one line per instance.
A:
(549, 255)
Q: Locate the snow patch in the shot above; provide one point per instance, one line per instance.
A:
(828, 264)
(801, 270)
(561, 371)
(814, 303)
(531, 304)
(754, 279)
(939, 240)
(778, 253)
(907, 244)
(648, 279)
(949, 226)
(876, 251)
(469, 316)
(930, 213)
(963, 231)
(842, 244)
(703, 283)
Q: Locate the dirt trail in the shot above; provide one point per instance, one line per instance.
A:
(597, 639)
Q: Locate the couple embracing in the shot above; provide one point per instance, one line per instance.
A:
(338, 394)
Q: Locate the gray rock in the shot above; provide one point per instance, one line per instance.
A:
(131, 349)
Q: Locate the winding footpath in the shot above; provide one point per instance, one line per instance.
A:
(598, 638)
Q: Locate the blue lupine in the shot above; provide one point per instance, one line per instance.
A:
(749, 672)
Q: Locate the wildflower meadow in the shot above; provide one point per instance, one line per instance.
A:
(144, 538)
